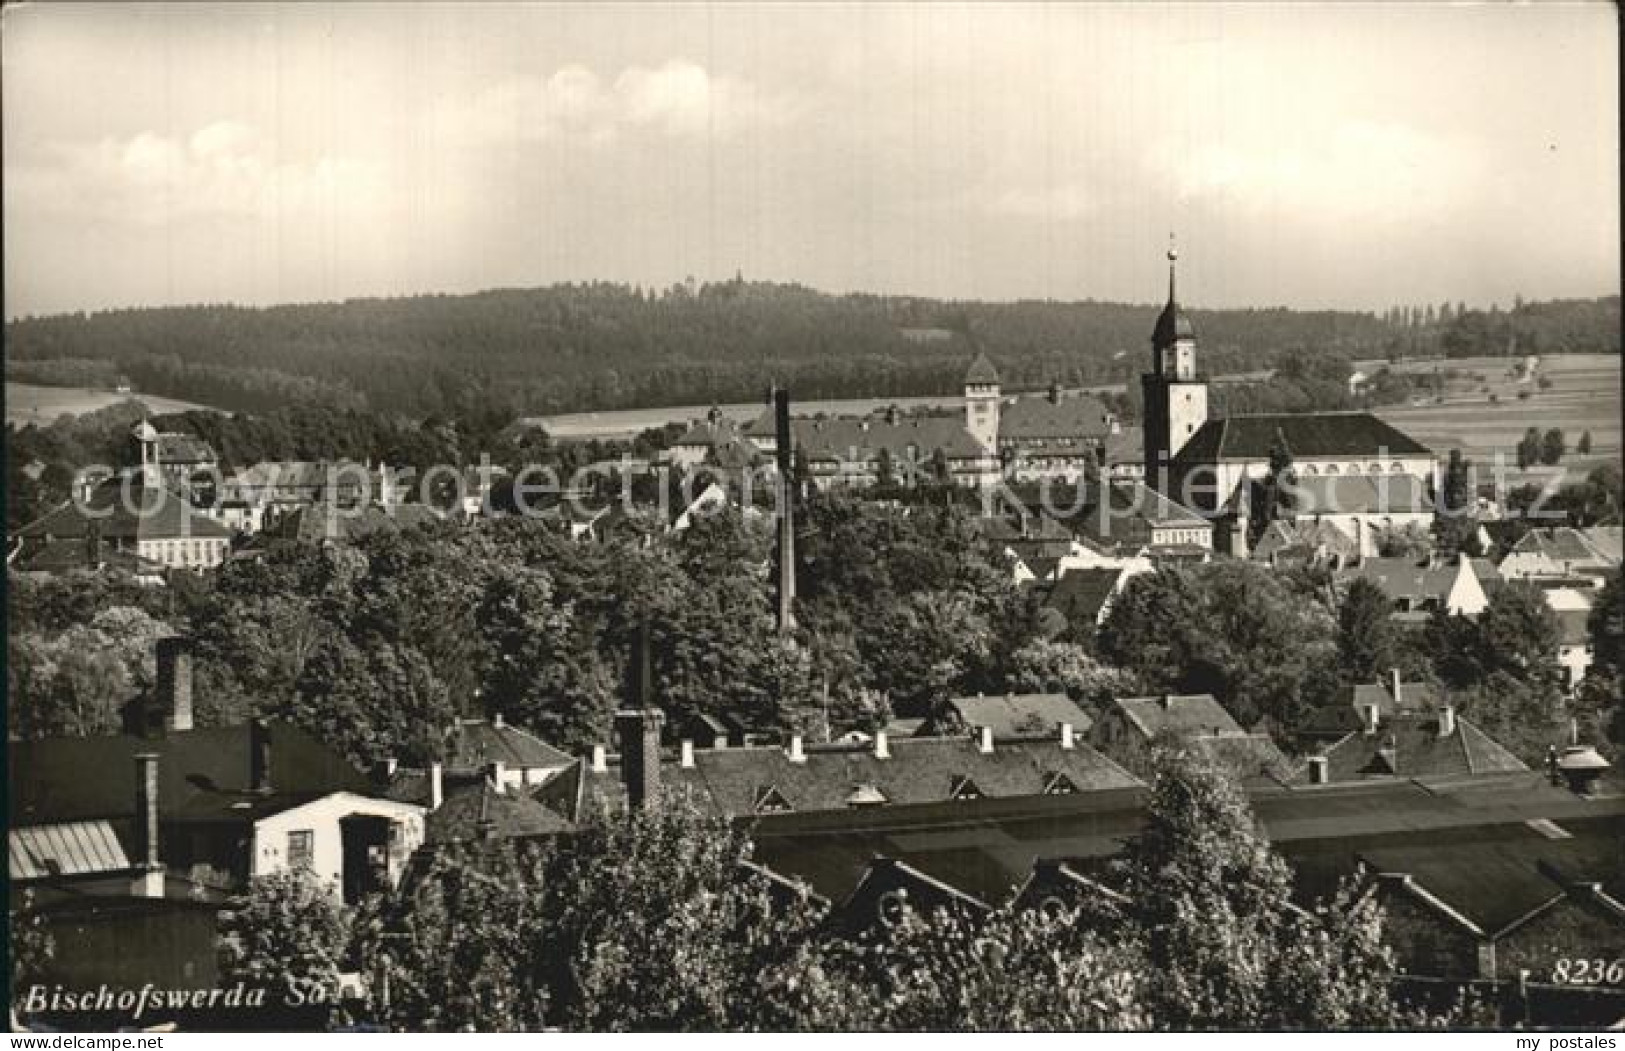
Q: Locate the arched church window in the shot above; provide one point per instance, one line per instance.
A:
(1396, 467)
(1376, 468)
(1309, 469)
(1331, 468)
(1354, 468)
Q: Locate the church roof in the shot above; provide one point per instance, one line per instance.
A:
(1322, 435)
(982, 371)
(1172, 324)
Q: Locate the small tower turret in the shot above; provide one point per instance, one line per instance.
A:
(982, 403)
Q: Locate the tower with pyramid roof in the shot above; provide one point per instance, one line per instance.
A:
(1175, 397)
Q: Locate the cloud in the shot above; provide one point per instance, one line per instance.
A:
(226, 169)
(677, 99)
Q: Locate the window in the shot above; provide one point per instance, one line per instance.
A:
(769, 800)
(964, 788)
(301, 850)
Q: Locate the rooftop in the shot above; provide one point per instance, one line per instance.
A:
(1321, 435)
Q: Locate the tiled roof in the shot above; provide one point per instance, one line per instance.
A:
(1303, 539)
(849, 439)
(1080, 594)
(1069, 417)
(150, 512)
(474, 810)
(201, 774)
(919, 770)
(1248, 757)
(1563, 544)
(1126, 446)
(476, 743)
(61, 556)
(1382, 494)
(1606, 541)
(1322, 435)
(1022, 714)
(184, 448)
(1184, 714)
(1139, 500)
(1411, 747)
(1403, 577)
(313, 523)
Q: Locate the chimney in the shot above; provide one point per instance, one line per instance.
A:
(882, 750)
(1373, 717)
(259, 756)
(175, 682)
(1068, 741)
(1447, 720)
(687, 761)
(639, 731)
(499, 775)
(985, 741)
(1396, 685)
(600, 759)
(787, 518)
(150, 882)
(1167, 702)
(437, 786)
(797, 755)
(496, 720)
(1319, 772)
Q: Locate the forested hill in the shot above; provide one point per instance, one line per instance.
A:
(601, 346)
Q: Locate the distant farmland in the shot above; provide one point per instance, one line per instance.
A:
(27, 403)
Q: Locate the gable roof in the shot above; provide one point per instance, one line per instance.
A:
(476, 743)
(1069, 416)
(1305, 539)
(919, 770)
(202, 775)
(1404, 577)
(147, 512)
(1606, 541)
(851, 439)
(1410, 746)
(1184, 714)
(1021, 714)
(62, 556)
(1081, 594)
(476, 809)
(1568, 545)
(1321, 435)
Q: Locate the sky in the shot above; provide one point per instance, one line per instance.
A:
(1312, 155)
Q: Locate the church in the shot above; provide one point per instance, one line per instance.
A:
(1354, 470)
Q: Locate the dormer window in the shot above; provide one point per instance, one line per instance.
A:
(1059, 784)
(866, 794)
(964, 788)
(769, 800)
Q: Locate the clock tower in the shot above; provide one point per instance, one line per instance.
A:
(1175, 398)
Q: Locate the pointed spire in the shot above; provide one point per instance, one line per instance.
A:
(1173, 257)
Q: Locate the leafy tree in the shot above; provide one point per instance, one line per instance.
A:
(1583, 446)
(463, 947)
(1064, 667)
(31, 942)
(287, 935)
(1529, 448)
(1404, 541)
(1368, 642)
(1552, 446)
(1455, 520)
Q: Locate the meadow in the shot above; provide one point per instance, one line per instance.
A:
(27, 403)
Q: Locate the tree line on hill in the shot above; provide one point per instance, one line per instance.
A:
(606, 346)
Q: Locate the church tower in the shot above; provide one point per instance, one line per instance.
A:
(1175, 399)
(982, 403)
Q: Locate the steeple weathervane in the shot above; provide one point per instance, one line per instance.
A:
(1173, 257)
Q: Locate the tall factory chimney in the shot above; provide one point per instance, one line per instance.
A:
(787, 514)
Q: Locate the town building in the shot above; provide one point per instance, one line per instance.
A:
(1011, 716)
(1418, 588)
(129, 517)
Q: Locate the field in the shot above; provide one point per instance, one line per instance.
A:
(1584, 395)
(27, 403)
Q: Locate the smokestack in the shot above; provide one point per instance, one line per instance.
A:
(259, 756)
(787, 516)
(1447, 720)
(687, 752)
(149, 883)
(797, 755)
(499, 775)
(1397, 687)
(496, 720)
(1319, 772)
(600, 759)
(175, 682)
(985, 741)
(1068, 740)
(437, 786)
(639, 732)
(882, 748)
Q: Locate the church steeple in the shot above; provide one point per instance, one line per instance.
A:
(1175, 398)
(1172, 324)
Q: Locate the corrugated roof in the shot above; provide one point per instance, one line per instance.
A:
(70, 848)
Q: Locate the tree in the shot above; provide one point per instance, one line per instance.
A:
(1368, 643)
(1583, 446)
(1552, 447)
(286, 934)
(1064, 667)
(1529, 448)
(31, 942)
(1210, 907)
(1518, 634)
(1455, 520)
(462, 948)
(1410, 541)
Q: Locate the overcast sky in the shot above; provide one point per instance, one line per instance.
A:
(1352, 156)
